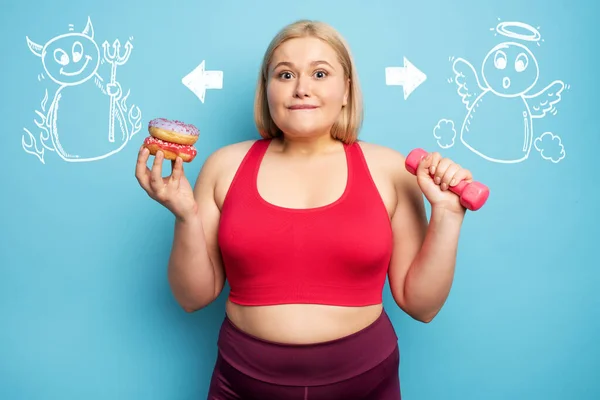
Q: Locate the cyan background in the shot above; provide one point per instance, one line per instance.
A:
(85, 307)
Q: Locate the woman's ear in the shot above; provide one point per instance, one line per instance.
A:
(346, 93)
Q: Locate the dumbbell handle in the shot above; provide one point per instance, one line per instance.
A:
(473, 195)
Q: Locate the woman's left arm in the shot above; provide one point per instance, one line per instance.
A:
(424, 257)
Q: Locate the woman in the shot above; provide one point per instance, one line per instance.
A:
(306, 223)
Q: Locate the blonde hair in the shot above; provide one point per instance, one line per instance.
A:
(348, 125)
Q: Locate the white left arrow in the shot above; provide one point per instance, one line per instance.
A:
(200, 79)
(409, 77)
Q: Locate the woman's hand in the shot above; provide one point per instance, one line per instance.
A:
(174, 191)
(435, 175)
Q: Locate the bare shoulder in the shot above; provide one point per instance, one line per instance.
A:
(227, 157)
(220, 167)
(387, 166)
(378, 149)
(384, 159)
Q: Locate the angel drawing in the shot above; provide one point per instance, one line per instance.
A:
(502, 105)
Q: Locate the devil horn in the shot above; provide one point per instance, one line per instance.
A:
(89, 29)
(34, 47)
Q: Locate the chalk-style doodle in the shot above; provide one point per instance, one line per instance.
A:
(502, 106)
(550, 147)
(73, 59)
(199, 80)
(408, 76)
(445, 133)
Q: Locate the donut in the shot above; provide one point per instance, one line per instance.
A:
(174, 138)
(173, 131)
(170, 150)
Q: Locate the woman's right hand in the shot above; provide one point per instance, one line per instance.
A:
(174, 191)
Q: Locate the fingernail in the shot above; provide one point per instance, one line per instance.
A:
(437, 180)
(453, 182)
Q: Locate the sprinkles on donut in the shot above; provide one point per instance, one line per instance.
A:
(174, 138)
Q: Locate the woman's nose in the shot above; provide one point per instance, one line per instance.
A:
(303, 87)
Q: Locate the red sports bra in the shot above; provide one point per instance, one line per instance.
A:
(337, 254)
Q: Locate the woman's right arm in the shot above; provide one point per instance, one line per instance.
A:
(196, 274)
(195, 269)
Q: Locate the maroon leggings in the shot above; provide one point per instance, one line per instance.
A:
(360, 366)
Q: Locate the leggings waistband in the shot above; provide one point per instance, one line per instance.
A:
(308, 364)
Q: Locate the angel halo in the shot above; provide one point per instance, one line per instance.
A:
(507, 28)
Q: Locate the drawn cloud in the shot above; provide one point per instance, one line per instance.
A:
(550, 147)
(445, 133)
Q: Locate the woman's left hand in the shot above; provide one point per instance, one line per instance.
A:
(435, 175)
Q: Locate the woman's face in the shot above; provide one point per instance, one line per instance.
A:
(306, 87)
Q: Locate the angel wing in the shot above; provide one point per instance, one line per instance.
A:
(469, 88)
(542, 102)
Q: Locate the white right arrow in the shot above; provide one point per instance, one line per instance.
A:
(409, 77)
(199, 80)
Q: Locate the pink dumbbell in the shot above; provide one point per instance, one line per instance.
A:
(472, 195)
